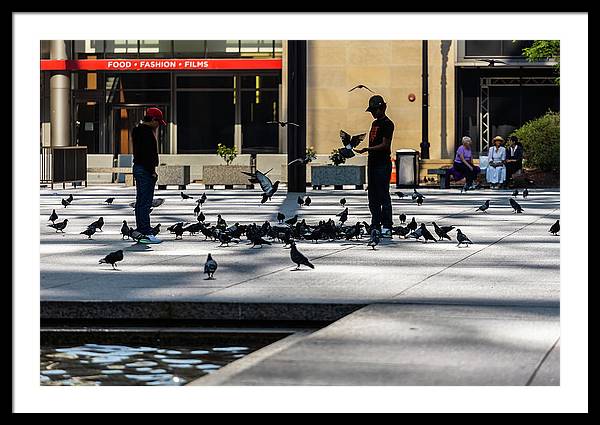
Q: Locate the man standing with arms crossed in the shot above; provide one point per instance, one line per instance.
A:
(379, 167)
(145, 160)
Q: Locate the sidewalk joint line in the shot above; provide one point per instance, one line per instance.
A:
(539, 366)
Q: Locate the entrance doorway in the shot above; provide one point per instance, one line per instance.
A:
(124, 118)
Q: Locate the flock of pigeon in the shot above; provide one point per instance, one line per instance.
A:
(288, 230)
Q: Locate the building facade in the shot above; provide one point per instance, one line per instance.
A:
(224, 91)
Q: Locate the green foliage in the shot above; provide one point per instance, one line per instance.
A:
(336, 157)
(541, 142)
(543, 50)
(228, 154)
(311, 154)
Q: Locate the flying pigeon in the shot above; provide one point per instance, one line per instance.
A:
(361, 86)
(305, 160)
(484, 206)
(555, 228)
(350, 143)
(298, 258)
(283, 123)
(515, 205)
(112, 258)
(462, 238)
(210, 267)
(59, 226)
(374, 240)
(53, 216)
(156, 202)
(491, 62)
(269, 188)
(109, 200)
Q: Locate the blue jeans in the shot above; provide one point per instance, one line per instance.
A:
(380, 203)
(144, 184)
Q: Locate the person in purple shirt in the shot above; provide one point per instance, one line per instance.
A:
(463, 162)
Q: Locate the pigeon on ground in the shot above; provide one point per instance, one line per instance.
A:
(221, 221)
(70, 198)
(156, 202)
(155, 230)
(343, 202)
(89, 232)
(283, 123)
(401, 231)
(361, 86)
(441, 232)
(292, 220)
(374, 240)
(197, 209)
(109, 200)
(97, 224)
(462, 238)
(515, 193)
(307, 201)
(400, 195)
(416, 194)
(555, 228)
(417, 234)
(210, 267)
(257, 240)
(224, 238)
(402, 217)
(280, 217)
(484, 206)
(112, 258)
(412, 225)
(426, 233)
(59, 226)
(53, 216)
(343, 215)
(201, 217)
(525, 193)
(65, 202)
(300, 201)
(185, 196)
(201, 200)
(298, 258)
(350, 143)
(515, 205)
(419, 200)
(125, 230)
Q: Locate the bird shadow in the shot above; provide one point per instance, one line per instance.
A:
(299, 270)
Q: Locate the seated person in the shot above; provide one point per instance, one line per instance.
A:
(463, 162)
(496, 169)
(514, 156)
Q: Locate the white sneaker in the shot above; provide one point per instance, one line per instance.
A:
(386, 233)
(152, 239)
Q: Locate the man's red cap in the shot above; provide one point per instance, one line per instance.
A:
(156, 114)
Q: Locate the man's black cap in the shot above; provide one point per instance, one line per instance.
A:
(375, 102)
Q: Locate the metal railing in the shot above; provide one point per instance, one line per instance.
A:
(64, 164)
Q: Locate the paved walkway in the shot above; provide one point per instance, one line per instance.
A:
(499, 295)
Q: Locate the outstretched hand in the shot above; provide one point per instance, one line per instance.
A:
(361, 150)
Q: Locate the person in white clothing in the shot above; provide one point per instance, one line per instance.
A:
(496, 170)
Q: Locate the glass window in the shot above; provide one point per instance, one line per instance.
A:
(44, 49)
(258, 107)
(199, 82)
(485, 48)
(204, 119)
(141, 80)
(262, 81)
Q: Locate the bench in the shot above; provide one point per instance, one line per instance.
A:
(446, 173)
(128, 171)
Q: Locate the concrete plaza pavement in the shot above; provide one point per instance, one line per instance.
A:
(486, 314)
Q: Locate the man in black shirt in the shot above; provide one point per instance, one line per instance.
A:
(379, 166)
(145, 159)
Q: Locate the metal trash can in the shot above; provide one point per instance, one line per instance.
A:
(407, 168)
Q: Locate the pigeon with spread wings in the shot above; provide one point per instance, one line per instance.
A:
(268, 187)
(361, 86)
(283, 123)
(350, 143)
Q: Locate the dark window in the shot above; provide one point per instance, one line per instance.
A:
(204, 119)
(258, 107)
(495, 48)
(198, 82)
(264, 82)
(143, 81)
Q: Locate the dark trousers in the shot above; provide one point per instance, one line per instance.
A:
(380, 203)
(465, 171)
(511, 168)
(144, 185)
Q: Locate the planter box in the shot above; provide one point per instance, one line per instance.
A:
(173, 175)
(227, 175)
(338, 175)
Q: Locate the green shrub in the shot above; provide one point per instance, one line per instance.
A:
(311, 154)
(228, 154)
(336, 157)
(541, 142)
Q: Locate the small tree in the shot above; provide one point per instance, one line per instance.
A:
(336, 157)
(544, 50)
(311, 154)
(228, 154)
(541, 142)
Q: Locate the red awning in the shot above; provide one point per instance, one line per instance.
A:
(158, 64)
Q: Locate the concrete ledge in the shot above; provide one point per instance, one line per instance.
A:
(110, 310)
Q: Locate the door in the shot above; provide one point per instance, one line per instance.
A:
(124, 119)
